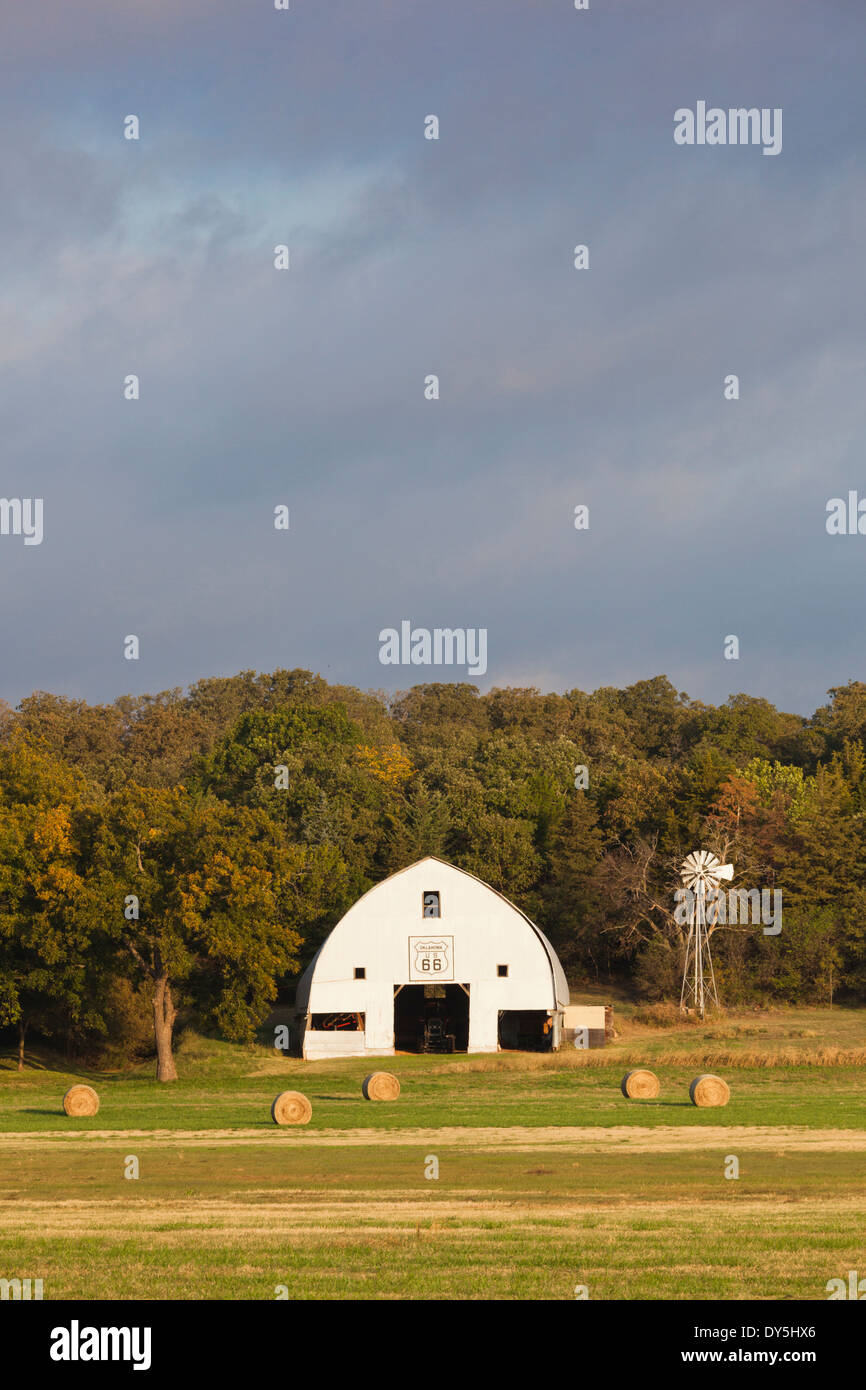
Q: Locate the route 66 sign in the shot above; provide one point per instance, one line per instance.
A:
(431, 958)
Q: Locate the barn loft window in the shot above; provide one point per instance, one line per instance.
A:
(502, 971)
(430, 904)
(360, 972)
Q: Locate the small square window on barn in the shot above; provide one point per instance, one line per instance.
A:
(360, 972)
(502, 971)
(430, 904)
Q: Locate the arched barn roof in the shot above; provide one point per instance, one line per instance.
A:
(359, 916)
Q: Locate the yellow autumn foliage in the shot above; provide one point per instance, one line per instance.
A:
(389, 765)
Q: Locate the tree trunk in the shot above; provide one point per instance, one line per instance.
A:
(164, 1014)
(22, 1033)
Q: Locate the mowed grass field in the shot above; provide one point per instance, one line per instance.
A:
(548, 1178)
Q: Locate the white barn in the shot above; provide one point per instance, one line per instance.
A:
(431, 960)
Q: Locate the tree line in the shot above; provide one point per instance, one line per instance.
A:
(185, 853)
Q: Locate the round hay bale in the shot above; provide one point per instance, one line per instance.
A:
(709, 1090)
(640, 1085)
(291, 1108)
(80, 1100)
(381, 1085)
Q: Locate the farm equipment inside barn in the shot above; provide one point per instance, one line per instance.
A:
(338, 1023)
(431, 1018)
(435, 1037)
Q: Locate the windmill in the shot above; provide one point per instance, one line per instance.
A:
(701, 874)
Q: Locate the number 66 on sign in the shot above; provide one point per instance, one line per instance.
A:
(431, 958)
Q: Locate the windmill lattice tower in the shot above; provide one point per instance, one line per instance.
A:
(700, 873)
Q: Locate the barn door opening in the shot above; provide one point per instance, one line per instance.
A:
(525, 1030)
(431, 1018)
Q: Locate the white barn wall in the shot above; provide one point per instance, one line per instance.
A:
(487, 931)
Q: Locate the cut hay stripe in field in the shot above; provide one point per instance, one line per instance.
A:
(631, 1054)
(634, 1138)
(460, 1248)
(301, 1215)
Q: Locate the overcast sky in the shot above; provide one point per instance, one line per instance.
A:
(409, 256)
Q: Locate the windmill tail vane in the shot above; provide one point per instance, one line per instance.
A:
(701, 874)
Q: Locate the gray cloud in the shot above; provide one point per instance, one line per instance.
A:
(411, 257)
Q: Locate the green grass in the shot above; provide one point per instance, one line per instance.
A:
(625, 1259)
(435, 1093)
(632, 1200)
(365, 1223)
(273, 1171)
